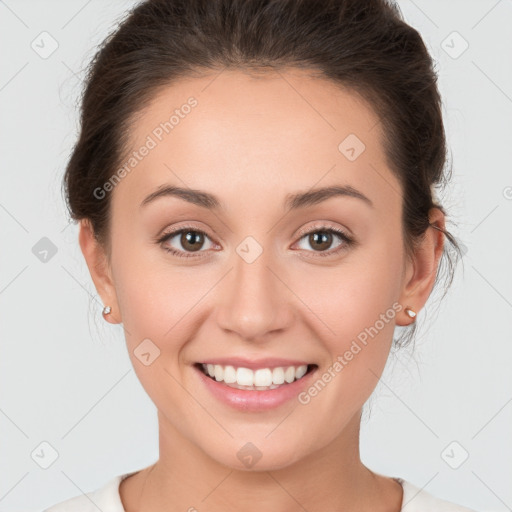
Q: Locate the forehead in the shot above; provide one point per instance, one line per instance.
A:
(267, 133)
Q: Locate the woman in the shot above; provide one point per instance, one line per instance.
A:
(255, 183)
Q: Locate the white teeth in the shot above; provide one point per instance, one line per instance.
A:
(301, 371)
(244, 376)
(278, 376)
(262, 378)
(229, 375)
(219, 372)
(289, 374)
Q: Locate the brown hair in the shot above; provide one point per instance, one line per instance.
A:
(362, 45)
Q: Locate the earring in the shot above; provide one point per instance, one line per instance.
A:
(107, 310)
(410, 312)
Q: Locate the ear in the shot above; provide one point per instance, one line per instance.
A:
(422, 269)
(100, 270)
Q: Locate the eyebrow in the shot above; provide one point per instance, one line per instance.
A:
(292, 201)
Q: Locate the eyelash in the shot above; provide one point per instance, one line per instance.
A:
(348, 241)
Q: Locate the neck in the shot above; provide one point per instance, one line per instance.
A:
(333, 478)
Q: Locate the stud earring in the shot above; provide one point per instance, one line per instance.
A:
(107, 310)
(410, 312)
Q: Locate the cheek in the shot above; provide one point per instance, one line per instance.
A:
(153, 302)
(355, 308)
(352, 296)
(355, 324)
(158, 298)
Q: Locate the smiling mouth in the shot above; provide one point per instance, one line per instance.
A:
(261, 380)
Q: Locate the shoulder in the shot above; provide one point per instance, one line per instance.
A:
(416, 499)
(106, 499)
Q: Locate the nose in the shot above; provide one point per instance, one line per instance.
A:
(255, 300)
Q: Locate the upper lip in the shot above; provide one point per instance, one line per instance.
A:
(254, 364)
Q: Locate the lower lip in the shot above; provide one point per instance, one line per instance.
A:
(253, 400)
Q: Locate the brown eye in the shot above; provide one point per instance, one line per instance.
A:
(320, 240)
(192, 240)
(184, 242)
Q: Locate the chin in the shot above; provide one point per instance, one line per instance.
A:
(255, 456)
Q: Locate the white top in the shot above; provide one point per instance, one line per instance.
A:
(107, 499)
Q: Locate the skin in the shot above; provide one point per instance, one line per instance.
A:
(250, 141)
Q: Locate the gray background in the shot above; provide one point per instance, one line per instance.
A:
(65, 376)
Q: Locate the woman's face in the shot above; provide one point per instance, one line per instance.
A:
(257, 285)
